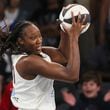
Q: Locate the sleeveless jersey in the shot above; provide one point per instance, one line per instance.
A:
(35, 94)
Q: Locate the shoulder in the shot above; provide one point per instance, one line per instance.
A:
(29, 59)
(32, 61)
(27, 65)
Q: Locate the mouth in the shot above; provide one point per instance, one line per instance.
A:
(38, 47)
(88, 91)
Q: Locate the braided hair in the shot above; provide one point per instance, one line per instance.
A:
(8, 40)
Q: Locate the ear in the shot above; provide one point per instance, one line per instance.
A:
(20, 41)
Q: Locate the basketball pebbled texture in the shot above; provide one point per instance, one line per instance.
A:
(66, 17)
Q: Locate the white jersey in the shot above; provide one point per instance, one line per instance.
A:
(36, 94)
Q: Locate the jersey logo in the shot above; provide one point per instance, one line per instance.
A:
(14, 97)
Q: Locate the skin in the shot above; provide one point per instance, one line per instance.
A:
(69, 98)
(28, 67)
(90, 89)
(107, 97)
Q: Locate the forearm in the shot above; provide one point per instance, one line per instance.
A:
(74, 58)
(64, 46)
(61, 54)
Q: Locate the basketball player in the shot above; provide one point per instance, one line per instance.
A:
(35, 67)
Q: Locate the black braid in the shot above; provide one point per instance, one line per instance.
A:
(9, 41)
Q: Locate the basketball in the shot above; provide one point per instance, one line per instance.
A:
(65, 16)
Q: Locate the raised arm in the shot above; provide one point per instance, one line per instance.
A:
(60, 54)
(34, 64)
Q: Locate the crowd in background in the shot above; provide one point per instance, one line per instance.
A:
(94, 51)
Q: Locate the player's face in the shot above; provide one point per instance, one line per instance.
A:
(90, 89)
(31, 40)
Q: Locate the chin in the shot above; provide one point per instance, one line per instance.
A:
(38, 49)
(90, 95)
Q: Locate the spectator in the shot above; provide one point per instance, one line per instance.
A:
(2, 15)
(91, 96)
(67, 90)
(99, 59)
(104, 21)
(14, 13)
(107, 97)
(3, 62)
(99, 10)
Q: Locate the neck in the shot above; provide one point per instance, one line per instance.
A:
(36, 53)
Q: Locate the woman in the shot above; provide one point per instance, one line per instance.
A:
(35, 67)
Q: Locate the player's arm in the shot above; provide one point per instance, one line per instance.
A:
(36, 65)
(55, 54)
(60, 54)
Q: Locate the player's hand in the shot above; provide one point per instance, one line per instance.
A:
(76, 28)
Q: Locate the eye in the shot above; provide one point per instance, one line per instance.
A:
(40, 37)
(32, 37)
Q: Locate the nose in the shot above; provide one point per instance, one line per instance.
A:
(39, 40)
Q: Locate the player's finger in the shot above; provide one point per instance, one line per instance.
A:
(84, 19)
(73, 18)
(79, 18)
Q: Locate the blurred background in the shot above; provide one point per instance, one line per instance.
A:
(94, 50)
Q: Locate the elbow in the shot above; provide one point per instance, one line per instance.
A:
(74, 79)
